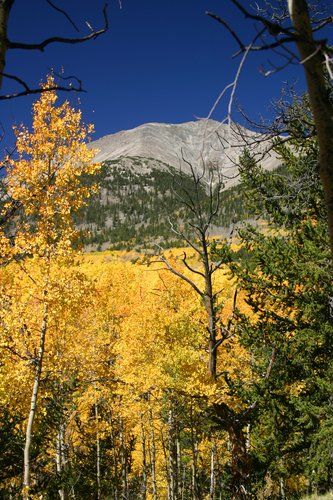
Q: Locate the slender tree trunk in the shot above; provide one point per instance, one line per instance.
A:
(166, 462)
(212, 474)
(153, 451)
(60, 457)
(5, 6)
(33, 404)
(209, 303)
(194, 448)
(183, 489)
(144, 461)
(173, 469)
(114, 459)
(282, 492)
(179, 465)
(98, 456)
(248, 439)
(195, 489)
(123, 461)
(319, 89)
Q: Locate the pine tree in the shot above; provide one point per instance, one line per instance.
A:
(287, 276)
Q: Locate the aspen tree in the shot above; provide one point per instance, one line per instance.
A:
(45, 181)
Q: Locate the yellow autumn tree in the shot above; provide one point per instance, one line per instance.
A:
(45, 183)
(160, 357)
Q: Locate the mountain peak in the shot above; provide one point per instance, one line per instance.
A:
(200, 142)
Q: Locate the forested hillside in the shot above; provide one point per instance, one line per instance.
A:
(200, 372)
(139, 203)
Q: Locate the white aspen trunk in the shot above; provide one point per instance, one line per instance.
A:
(183, 489)
(173, 469)
(60, 457)
(282, 492)
(195, 494)
(114, 459)
(153, 452)
(179, 466)
(194, 448)
(165, 462)
(212, 474)
(248, 439)
(98, 456)
(33, 405)
(144, 461)
(123, 461)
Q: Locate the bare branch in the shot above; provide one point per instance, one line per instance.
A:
(232, 315)
(271, 363)
(329, 65)
(185, 238)
(322, 24)
(55, 7)
(16, 79)
(180, 275)
(29, 91)
(190, 268)
(273, 28)
(233, 33)
(57, 39)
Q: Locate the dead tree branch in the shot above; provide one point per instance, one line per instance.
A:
(7, 44)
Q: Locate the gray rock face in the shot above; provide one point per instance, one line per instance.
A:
(203, 144)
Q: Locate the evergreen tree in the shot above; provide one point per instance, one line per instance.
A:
(287, 276)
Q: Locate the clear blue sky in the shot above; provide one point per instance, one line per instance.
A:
(162, 60)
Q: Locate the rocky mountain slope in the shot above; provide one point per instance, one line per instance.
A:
(201, 143)
(141, 167)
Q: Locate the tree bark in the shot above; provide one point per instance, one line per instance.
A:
(144, 461)
(240, 463)
(60, 457)
(153, 451)
(5, 6)
(212, 473)
(98, 456)
(114, 459)
(179, 464)
(33, 404)
(173, 469)
(319, 89)
(123, 461)
(194, 445)
(210, 310)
